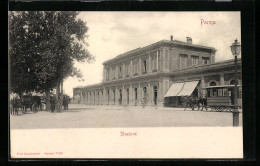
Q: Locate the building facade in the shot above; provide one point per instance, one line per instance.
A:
(148, 74)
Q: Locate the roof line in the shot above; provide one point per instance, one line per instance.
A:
(177, 42)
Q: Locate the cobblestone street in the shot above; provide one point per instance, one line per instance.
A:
(87, 116)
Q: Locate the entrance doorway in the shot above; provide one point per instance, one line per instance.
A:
(98, 98)
(108, 97)
(155, 95)
(120, 96)
(145, 93)
(114, 96)
(127, 96)
(135, 96)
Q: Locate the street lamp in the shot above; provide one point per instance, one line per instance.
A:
(235, 49)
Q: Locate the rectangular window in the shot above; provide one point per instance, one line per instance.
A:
(195, 60)
(120, 71)
(113, 73)
(144, 67)
(211, 93)
(183, 61)
(135, 67)
(225, 92)
(107, 74)
(215, 93)
(126, 70)
(220, 92)
(155, 63)
(205, 61)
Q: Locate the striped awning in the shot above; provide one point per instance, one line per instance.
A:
(188, 88)
(174, 89)
(181, 89)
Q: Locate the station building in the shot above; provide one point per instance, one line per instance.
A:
(160, 74)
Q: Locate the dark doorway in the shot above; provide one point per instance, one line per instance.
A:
(127, 96)
(145, 93)
(155, 95)
(135, 96)
(114, 96)
(108, 97)
(120, 96)
(94, 98)
(98, 99)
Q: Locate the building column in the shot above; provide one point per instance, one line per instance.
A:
(222, 82)
(150, 94)
(81, 97)
(123, 95)
(140, 67)
(116, 96)
(160, 98)
(202, 82)
(149, 64)
(157, 60)
(104, 96)
(131, 95)
(109, 97)
(139, 94)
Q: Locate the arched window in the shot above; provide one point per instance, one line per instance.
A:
(232, 82)
(212, 83)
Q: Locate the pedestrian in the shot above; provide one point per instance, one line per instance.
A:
(143, 102)
(64, 102)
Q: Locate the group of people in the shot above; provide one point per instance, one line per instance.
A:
(55, 104)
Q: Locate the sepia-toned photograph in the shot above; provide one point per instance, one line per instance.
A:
(125, 84)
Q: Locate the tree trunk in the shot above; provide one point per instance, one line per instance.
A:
(58, 98)
(61, 86)
(48, 106)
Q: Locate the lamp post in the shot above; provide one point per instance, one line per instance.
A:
(235, 49)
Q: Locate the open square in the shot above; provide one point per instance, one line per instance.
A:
(85, 116)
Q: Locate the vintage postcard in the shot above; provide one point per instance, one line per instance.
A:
(102, 85)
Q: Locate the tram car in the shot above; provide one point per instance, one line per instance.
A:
(221, 98)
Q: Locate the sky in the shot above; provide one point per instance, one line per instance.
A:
(113, 33)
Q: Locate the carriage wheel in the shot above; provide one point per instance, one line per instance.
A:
(24, 110)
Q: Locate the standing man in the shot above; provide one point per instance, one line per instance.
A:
(143, 102)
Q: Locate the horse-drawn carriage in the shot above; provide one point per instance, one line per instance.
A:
(26, 101)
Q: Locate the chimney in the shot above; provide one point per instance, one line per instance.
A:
(171, 38)
(189, 40)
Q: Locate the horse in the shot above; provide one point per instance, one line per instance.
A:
(190, 102)
(16, 104)
(203, 103)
